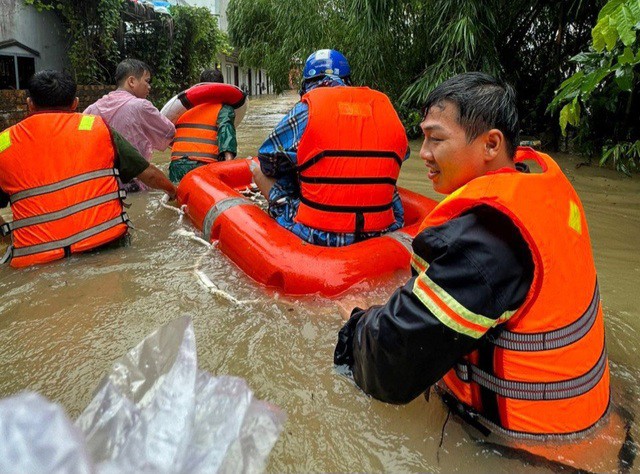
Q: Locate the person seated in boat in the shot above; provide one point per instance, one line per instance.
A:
(127, 111)
(502, 312)
(58, 171)
(213, 123)
(329, 168)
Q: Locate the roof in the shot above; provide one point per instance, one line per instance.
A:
(11, 42)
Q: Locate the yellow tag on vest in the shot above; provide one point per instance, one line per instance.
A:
(5, 141)
(575, 217)
(359, 110)
(86, 123)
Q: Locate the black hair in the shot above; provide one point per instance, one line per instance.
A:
(212, 75)
(483, 103)
(51, 89)
(130, 67)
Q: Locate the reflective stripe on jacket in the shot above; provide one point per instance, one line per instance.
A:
(349, 159)
(544, 369)
(58, 170)
(197, 134)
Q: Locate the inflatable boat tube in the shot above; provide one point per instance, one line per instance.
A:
(203, 93)
(277, 258)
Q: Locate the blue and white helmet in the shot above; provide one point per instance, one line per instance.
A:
(326, 62)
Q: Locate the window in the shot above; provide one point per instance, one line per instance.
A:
(15, 71)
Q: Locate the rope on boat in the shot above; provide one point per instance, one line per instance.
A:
(203, 279)
(180, 210)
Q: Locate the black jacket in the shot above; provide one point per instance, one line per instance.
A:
(398, 350)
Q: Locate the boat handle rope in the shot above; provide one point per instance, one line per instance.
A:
(202, 277)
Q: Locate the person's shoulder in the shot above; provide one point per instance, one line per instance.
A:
(144, 106)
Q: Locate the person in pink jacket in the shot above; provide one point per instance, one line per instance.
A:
(129, 113)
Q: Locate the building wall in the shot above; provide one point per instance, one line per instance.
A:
(13, 104)
(41, 31)
(259, 83)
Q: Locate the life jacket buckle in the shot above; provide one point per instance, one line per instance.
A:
(5, 229)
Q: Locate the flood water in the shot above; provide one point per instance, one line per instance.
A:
(63, 324)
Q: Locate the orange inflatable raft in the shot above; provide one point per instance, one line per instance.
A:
(277, 258)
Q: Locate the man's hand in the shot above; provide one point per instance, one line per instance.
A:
(154, 178)
(347, 304)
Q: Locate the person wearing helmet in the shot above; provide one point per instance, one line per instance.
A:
(329, 168)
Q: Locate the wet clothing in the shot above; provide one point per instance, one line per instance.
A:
(503, 307)
(226, 142)
(138, 121)
(546, 362)
(398, 350)
(62, 202)
(278, 159)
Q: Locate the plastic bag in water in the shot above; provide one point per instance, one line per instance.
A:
(155, 412)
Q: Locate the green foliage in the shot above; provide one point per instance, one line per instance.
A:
(176, 47)
(92, 27)
(598, 98)
(407, 47)
(623, 156)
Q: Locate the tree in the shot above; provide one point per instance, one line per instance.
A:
(407, 47)
(598, 98)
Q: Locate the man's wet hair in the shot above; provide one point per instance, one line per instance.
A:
(130, 67)
(212, 75)
(51, 89)
(483, 103)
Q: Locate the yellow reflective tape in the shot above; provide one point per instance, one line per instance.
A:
(419, 264)
(575, 217)
(449, 197)
(450, 312)
(86, 123)
(5, 141)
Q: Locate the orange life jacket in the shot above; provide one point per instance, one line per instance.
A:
(197, 134)
(58, 169)
(546, 372)
(349, 159)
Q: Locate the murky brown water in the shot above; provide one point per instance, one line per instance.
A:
(63, 324)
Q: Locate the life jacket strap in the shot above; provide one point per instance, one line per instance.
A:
(553, 339)
(186, 154)
(62, 243)
(534, 390)
(199, 126)
(352, 209)
(68, 211)
(349, 154)
(65, 183)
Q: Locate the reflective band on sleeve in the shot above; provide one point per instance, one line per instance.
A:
(195, 140)
(553, 339)
(402, 237)
(58, 244)
(217, 209)
(5, 141)
(65, 183)
(86, 123)
(535, 391)
(418, 263)
(52, 216)
(451, 313)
